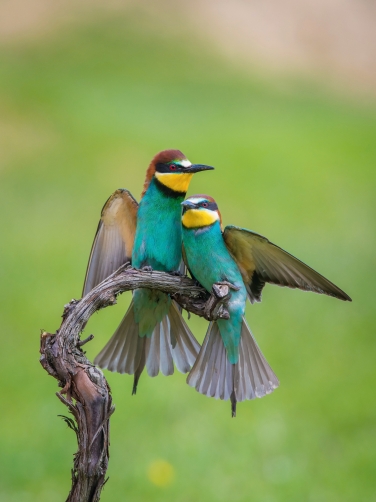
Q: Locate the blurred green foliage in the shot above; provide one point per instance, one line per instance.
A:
(82, 113)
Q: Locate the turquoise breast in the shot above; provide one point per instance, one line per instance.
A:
(158, 234)
(157, 244)
(210, 261)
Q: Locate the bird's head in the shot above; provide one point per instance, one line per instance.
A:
(173, 172)
(200, 211)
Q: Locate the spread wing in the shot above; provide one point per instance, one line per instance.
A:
(113, 242)
(260, 261)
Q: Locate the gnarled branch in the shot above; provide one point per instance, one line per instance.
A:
(84, 388)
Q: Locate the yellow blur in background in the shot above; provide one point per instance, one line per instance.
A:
(161, 473)
(279, 97)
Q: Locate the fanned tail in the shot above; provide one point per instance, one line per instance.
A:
(214, 376)
(171, 342)
(123, 351)
(184, 346)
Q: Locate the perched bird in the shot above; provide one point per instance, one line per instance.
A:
(152, 332)
(230, 365)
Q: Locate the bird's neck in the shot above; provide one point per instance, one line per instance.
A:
(212, 232)
(158, 198)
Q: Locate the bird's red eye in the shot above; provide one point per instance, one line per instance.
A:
(172, 167)
(204, 204)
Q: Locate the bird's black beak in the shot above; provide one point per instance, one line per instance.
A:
(187, 204)
(195, 168)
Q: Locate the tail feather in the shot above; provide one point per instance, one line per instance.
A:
(127, 360)
(140, 368)
(122, 352)
(152, 352)
(166, 358)
(211, 372)
(252, 362)
(214, 376)
(184, 345)
(210, 377)
(171, 342)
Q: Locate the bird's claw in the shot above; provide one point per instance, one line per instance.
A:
(147, 268)
(177, 273)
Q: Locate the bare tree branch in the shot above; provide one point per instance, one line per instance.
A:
(85, 391)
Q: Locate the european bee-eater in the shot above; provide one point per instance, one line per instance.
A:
(152, 332)
(230, 365)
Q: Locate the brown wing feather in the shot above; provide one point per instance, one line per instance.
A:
(113, 242)
(260, 261)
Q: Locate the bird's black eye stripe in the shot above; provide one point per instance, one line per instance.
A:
(166, 168)
(209, 205)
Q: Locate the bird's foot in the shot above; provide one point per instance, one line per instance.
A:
(177, 273)
(147, 268)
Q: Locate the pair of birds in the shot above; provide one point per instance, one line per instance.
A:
(153, 333)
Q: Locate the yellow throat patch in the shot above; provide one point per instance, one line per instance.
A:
(196, 218)
(178, 182)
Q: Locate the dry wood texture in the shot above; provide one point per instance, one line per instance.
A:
(84, 388)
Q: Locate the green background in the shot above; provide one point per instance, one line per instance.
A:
(82, 114)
